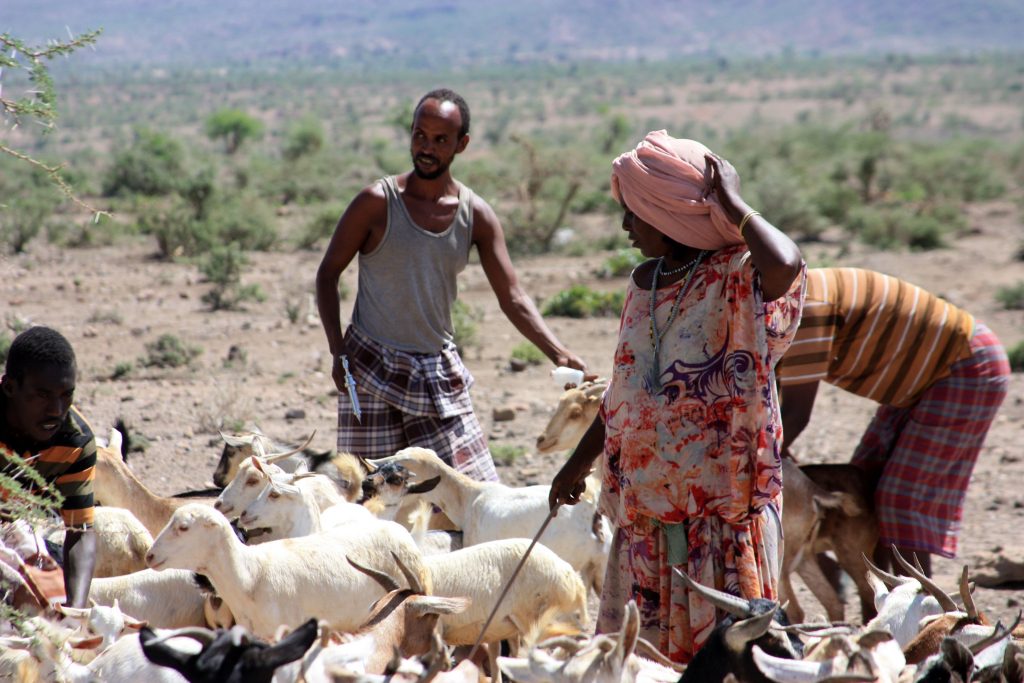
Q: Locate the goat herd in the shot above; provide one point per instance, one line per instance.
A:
(322, 567)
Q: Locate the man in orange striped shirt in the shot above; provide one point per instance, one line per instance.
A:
(38, 423)
(939, 375)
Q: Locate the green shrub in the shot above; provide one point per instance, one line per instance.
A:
(1012, 297)
(153, 165)
(579, 301)
(465, 321)
(244, 220)
(27, 200)
(177, 231)
(168, 351)
(233, 126)
(1016, 355)
(320, 226)
(122, 369)
(898, 226)
(784, 200)
(528, 353)
(506, 454)
(222, 267)
(621, 263)
(305, 137)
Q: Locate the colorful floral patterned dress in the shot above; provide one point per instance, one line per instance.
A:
(699, 458)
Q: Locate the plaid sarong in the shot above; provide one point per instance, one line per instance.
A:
(412, 399)
(926, 451)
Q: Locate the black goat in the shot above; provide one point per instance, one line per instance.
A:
(729, 648)
(228, 656)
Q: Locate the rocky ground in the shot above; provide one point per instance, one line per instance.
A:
(268, 365)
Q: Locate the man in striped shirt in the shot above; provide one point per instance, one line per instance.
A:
(39, 424)
(939, 375)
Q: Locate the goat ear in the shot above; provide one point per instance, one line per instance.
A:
(432, 604)
(236, 441)
(164, 654)
(90, 643)
(257, 464)
(425, 486)
(742, 632)
(288, 649)
(630, 632)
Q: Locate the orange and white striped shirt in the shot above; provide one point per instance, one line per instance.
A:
(875, 336)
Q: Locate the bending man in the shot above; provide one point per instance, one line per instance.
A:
(939, 375)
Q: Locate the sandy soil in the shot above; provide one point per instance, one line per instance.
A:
(112, 301)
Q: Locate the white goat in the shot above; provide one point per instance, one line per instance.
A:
(290, 510)
(254, 474)
(903, 602)
(489, 511)
(168, 599)
(605, 659)
(546, 585)
(121, 541)
(288, 581)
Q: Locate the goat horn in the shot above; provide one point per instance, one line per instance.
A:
(730, 603)
(648, 650)
(368, 465)
(386, 582)
(197, 633)
(890, 580)
(945, 602)
(414, 581)
(281, 456)
(993, 637)
(965, 595)
(567, 643)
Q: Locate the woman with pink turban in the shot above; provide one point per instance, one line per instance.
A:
(690, 424)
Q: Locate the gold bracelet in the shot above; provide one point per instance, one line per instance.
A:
(746, 217)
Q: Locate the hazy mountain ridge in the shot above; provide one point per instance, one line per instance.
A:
(424, 33)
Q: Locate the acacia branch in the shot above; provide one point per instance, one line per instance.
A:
(53, 173)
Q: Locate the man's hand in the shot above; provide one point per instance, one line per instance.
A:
(338, 374)
(571, 360)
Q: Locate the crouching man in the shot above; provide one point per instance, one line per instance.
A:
(39, 424)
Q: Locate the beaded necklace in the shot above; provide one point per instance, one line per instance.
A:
(654, 375)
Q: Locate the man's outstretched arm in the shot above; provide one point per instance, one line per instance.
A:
(515, 303)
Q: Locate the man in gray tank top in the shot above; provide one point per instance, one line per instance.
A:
(412, 234)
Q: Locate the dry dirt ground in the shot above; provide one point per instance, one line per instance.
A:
(112, 301)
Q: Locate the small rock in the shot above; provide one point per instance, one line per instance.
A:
(503, 414)
(517, 364)
(295, 414)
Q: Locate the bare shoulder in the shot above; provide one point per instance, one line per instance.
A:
(482, 211)
(369, 207)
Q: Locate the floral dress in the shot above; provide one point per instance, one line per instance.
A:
(693, 473)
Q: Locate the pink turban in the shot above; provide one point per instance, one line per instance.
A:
(661, 182)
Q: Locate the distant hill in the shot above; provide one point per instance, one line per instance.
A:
(433, 33)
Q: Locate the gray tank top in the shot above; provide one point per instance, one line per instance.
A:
(407, 284)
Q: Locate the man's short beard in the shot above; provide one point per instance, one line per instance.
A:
(428, 176)
(433, 175)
